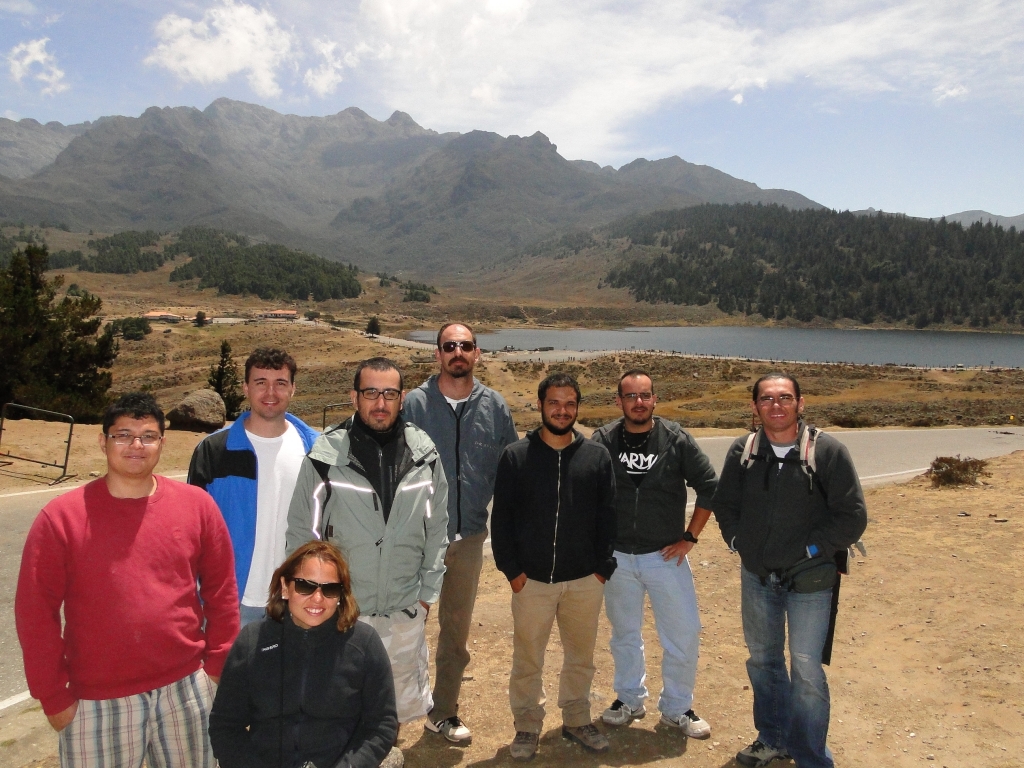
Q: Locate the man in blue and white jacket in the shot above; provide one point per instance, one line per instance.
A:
(250, 469)
(470, 424)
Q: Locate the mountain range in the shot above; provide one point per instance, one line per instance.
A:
(382, 194)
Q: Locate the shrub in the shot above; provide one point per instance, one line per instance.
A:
(952, 470)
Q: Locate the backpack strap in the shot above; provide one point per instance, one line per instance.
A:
(751, 449)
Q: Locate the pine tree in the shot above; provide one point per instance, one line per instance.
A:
(52, 356)
(226, 382)
(373, 327)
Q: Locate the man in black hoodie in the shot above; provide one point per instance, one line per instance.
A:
(552, 531)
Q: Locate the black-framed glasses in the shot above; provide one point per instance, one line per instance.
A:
(645, 397)
(451, 346)
(783, 400)
(372, 393)
(149, 439)
(332, 590)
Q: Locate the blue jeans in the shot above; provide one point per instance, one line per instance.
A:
(791, 709)
(674, 602)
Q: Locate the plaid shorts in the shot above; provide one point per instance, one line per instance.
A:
(405, 640)
(168, 727)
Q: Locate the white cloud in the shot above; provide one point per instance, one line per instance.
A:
(10, 114)
(586, 71)
(738, 98)
(22, 7)
(229, 39)
(32, 60)
(325, 79)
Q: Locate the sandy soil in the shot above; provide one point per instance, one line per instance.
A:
(926, 668)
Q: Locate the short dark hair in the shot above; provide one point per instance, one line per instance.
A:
(776, 375)
(137, 405)
(634, 372)
(559, 379)
(378, 364)
(271, 359)
(325, 552)
(446, 326)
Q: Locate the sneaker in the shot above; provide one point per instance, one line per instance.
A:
(759, 754)
(393, 759)
(620, 713)
(524, 746)
(690, 723)
(451, 728)
(587, 736)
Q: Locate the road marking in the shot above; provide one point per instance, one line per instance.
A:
(23, 696)
(68, 488)
(894, 474)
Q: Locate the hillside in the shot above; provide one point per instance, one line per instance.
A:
(777, 262)
(384, 194)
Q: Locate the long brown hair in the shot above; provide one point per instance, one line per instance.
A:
(325, 552)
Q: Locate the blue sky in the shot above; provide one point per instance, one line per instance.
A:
(907, 105)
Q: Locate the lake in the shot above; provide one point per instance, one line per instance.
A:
(935, 349)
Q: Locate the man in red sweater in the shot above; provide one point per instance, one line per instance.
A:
(130, 675)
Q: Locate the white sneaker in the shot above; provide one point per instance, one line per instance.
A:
(690, 723)
(620, 713)
(451, 728)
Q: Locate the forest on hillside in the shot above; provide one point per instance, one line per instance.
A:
(810, 264)
(230, 263)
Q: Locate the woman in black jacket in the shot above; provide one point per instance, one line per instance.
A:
(308, 684)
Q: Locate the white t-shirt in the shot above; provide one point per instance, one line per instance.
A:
(277, 460)
(782, 450)
(455, 403)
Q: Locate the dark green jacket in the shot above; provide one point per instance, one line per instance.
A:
(652, 516)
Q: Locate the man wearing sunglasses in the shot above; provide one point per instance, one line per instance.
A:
(374, 486)
(250, 468)
(470, 424)
(654, 461)
(131, 672)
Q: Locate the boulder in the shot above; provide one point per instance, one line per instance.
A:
(200, 411)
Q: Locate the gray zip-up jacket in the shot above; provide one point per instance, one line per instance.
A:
(470, 442)
(392, 565)
(653, 515)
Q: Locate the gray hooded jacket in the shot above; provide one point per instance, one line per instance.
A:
(470, 442)
(392, 565)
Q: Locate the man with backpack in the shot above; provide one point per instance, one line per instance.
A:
(790, 503)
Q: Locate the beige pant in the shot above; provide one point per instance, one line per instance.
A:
(462, 565)
(576, 605)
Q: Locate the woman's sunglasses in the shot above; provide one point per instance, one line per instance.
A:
(332, 590)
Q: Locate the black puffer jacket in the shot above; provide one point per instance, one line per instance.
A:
(771, 515)
(332, 704)
(554, 514)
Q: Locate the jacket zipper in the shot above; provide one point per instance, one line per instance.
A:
(458, 472)
(558, 508)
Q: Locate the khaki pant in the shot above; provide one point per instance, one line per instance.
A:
(576, 605)
(462, 563)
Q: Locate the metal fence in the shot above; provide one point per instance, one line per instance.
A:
(48, 416)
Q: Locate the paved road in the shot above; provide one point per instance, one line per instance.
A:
(880, 456)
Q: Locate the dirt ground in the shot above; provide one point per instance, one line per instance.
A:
(926, 668)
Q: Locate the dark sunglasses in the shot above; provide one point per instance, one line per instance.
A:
(451, 346)
(332, 590)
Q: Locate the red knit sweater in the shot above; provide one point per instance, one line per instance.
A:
(125, 571)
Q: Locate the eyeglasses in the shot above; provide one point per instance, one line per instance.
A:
(149, 439)
(332, 590)
(451, 346)
(634, 396)
(372, 393)
(783, 400)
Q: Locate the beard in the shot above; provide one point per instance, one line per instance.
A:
(554, 428)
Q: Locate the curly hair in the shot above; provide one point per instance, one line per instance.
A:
(325, 552)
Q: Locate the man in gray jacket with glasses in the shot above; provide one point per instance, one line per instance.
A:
(470, 424)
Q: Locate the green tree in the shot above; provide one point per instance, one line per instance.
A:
(312, 314)
(225, 380)
(200, 320)
(373, 326)
(52, 356)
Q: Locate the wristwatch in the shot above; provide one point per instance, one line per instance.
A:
(687, 536)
